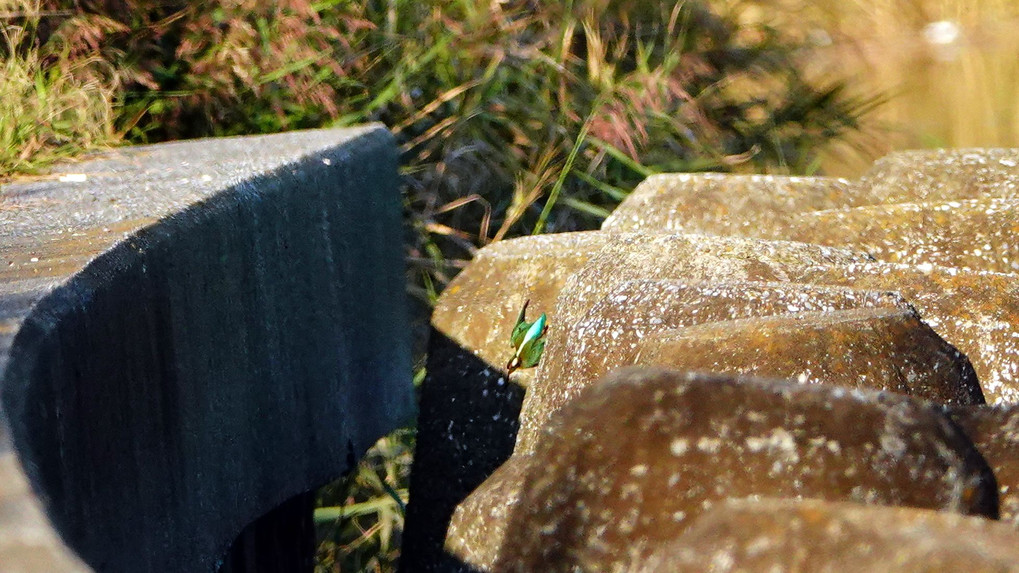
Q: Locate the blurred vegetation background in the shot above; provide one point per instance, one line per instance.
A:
(513, 117)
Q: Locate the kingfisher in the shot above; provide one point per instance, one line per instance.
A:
(527, 340)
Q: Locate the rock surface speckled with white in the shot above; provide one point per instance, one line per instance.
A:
(902, 281)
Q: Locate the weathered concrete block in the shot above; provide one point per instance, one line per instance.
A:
(815, 535)
(725, 204)
(690, 258)
(477, 530)
(767, 206)
(887, 349)
(976, 312)
(610, 333)
(633, 461)
(196, 333)
(942, 175)
(978, 234)
(944, 213)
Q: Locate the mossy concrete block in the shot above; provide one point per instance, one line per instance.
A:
(609, 335)
(192, 333)
(690, 258)
(632, 462)
(816, 535)
(724, 204)
(976, 312)
(943, 175)
(980, 234)
(876, 348)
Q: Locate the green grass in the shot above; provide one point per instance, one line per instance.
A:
(52, 105)
(360, 518)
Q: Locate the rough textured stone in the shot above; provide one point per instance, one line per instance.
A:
(884, 347)
(981, 234)
(196, 333)
(609, 335)
(927, 209)
(976, 312)
(888, 349)
(994, 431)
(477, 530)
(687, 258)
(632, 462)
(813, 535)
(763, 205)
(690, 258)
(942, 175)
(724, 204)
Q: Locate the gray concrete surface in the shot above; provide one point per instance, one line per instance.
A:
(190, 335)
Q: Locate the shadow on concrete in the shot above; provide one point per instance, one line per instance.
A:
(281, 541)
(467, 427)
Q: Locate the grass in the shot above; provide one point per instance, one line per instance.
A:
(360, 518)
(52, 105)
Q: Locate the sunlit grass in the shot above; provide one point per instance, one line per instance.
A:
(360, 518)
(52, 106)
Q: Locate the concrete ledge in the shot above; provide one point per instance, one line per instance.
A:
(193, 333)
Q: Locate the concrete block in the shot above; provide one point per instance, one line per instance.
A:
(193, 333)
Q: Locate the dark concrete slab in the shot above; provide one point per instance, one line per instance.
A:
(193, 335)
